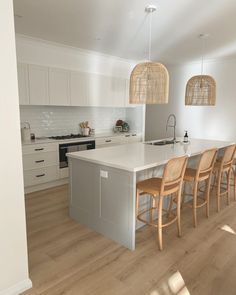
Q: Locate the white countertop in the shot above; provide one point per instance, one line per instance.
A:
(49, 140)
(99, 135)
(136, 157)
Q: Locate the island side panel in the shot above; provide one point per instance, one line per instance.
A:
(103, 198)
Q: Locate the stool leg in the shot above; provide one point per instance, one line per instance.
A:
(170, 206)
(160, 223)
(214, 174)
(228, 186)
(195, 187)
(153, 206)
(234, 184)
(137, 202)
(218, 191)
(208, 195)
(183, 195)
(178, 213)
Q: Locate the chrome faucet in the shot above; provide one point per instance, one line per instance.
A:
(172, 126)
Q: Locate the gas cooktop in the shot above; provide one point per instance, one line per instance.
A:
(68, 136)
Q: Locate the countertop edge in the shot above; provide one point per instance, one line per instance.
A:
(140, 168)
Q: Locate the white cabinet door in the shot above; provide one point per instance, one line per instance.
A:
(118, 92)
(23, 84)
(59, 87)
(38, 85)
(79, 88)
(98, 90)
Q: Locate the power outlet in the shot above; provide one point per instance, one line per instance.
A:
(103, 174)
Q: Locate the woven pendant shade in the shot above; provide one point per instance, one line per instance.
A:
(200, 91)
(149, 84)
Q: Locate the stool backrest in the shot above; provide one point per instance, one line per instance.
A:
(228, 156)
(207, 161)
(174, 172)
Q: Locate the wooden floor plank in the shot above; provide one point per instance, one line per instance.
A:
(68, 258)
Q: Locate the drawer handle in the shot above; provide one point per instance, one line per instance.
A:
(128, 135)
(39, 161)
(134, 134)
(40, 175)
(41, 149)
(108, 140)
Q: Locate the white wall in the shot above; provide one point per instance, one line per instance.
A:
(217, 122)
(13, 245)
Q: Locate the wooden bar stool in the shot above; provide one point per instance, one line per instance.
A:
(224, 166)
(158, 188)
(195, 176)
(234, 177)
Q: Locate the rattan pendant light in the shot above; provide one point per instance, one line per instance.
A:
(201, 89)
(149, 81)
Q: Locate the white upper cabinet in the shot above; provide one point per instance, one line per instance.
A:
(38, 85)
(59, 87)
(79, 88)
(98, 90)
(118, 92)
(23, 84)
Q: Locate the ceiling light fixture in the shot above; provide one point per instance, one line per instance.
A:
(201, 89)
(149, 81)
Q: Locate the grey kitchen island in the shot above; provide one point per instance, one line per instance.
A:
(103, 183)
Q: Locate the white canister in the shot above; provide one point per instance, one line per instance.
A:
(25, 131)
(25, 134)
(85, 131)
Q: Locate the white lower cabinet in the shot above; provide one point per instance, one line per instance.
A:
(41, 175)
(132, 137)
(119, 139)
(40, 163)
(107, 141)
(39, 160)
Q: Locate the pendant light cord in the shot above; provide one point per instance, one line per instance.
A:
(203, 50)
(150, 36)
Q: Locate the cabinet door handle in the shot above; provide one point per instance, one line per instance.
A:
(39, 161)
(41, 149)
(108, 140)
(40, 175)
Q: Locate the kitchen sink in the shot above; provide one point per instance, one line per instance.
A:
(162, 142)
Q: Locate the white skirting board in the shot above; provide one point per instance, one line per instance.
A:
(43, 186)
(17, 288)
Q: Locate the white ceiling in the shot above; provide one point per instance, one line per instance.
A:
(120, 27)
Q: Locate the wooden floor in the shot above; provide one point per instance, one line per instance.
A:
(68, 258)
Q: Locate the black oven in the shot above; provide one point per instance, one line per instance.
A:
(65, 148)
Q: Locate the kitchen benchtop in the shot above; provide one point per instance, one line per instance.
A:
(136, 157)
(44, 140)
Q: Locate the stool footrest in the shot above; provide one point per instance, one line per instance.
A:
(156, 224)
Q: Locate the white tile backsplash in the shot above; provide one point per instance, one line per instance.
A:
(56, 120)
